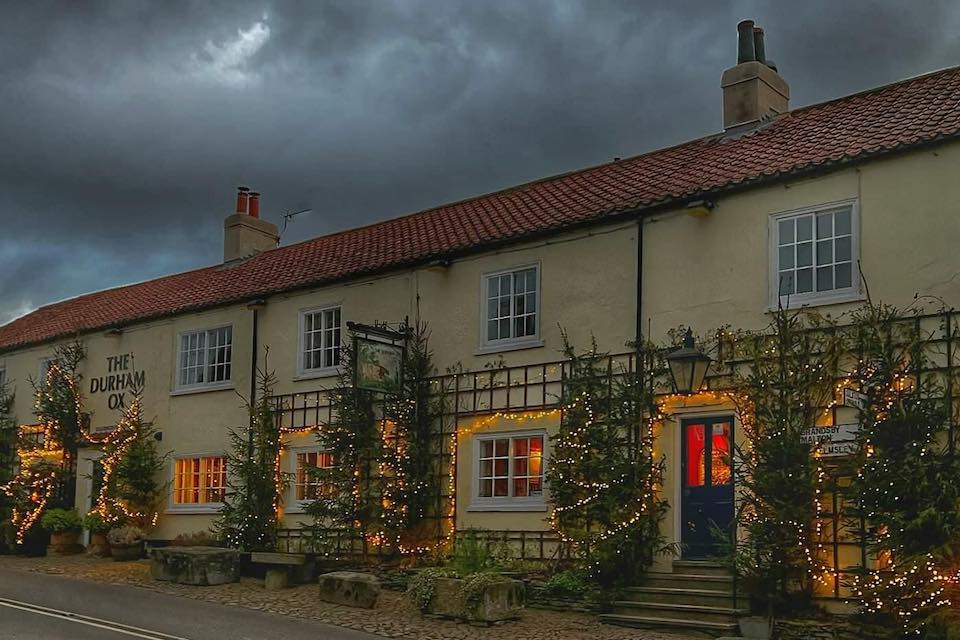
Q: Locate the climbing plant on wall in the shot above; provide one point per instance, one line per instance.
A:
(131, 490)
(8, 460)
(47, 453)
(604, 476)
(786, 378)
(905, 480)
(250, 515)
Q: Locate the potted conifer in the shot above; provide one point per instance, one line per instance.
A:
(64, 526)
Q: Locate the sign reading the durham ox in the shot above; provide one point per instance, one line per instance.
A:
(121, 377)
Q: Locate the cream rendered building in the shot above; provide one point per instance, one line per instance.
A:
(702, 234)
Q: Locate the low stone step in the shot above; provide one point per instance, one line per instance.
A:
(687, 581)
(699, 613)
(700, 568)
(670, 624)
(699, 597)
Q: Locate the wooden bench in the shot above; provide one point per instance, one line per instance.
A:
(284, 568)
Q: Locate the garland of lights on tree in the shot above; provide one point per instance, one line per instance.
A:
(129, 492)
(8, 449)
(604, 477)
(906, 485)
(47, 452)
(784, 384)
(251, 512)
(384, 459)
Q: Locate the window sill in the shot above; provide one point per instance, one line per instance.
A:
(509, 506)
(297, 509)
(313, 374)
(207, 509)
(509, 346)
(187, 391)
(818, 301)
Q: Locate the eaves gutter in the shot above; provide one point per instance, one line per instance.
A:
(609, 216)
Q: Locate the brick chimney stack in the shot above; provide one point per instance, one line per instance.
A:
(753, 91)
(244, 233)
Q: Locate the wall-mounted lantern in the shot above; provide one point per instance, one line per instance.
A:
(688, 366)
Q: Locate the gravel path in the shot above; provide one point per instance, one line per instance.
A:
(393, 617)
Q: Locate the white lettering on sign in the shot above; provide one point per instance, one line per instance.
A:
(834, 440)
(854, 398)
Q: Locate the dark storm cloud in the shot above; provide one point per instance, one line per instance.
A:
(126, 125)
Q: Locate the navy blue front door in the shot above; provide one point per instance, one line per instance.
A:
(707, 484)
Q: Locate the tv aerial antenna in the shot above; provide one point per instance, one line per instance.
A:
(290, 215)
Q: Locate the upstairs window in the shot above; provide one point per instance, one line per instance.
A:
(45, 364)
(204, 358)
(814, 256)
(511, 307)
(3, 378)
(319, 339)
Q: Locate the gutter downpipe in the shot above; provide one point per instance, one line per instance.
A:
(255, 307)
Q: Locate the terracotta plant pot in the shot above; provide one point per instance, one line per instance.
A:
(98, 546)
(126, 552)
(65, 543)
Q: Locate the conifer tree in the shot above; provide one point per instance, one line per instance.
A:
(788, 378)
(906, 482)
(131, 491)
(250, 515)
(603, 477)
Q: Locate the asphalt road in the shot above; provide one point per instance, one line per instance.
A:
(44, 607)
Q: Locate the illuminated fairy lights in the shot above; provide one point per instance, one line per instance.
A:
(41, 464)
(116, 446)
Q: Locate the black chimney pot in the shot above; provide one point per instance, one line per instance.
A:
(758, 48)
(745, 42)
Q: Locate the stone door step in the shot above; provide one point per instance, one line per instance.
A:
(656, 622)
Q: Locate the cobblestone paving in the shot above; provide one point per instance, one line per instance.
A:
(393, 617)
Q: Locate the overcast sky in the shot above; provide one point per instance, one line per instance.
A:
(125, 126)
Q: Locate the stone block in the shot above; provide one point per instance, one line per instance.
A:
(497, 601)
(200, 566)
(276, 579)
(350, 588)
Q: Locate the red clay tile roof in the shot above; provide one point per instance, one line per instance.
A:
(854, 128)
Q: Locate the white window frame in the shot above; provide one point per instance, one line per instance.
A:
(506, 344)
(3, 375)
(508, 503)
(202, 386)
(303, 372)
(298, 506)
(193, 507)
(44, 367)
(814, 298)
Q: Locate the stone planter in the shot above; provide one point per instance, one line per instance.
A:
(65, 543)
(497, 600)
(200, 566)
(99, 547)
(350, 588)
(126, 552)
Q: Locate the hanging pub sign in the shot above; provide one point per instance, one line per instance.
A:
(835, 440)
(378, 353)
